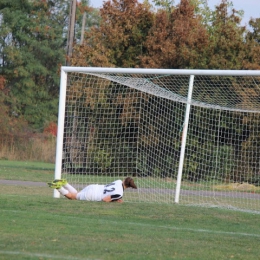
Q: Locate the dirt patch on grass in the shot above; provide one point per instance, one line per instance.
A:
(238, 187)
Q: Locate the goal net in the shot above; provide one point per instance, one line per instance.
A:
(185, 136)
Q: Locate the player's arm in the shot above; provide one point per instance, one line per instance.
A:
(112, 198)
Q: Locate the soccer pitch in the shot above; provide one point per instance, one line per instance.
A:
(34, 225)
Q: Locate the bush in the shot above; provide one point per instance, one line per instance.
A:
(28, 147)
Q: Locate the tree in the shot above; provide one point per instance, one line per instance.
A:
(252, 46)
(226, 48)
(32, 44)
(118, 41)
(177, 39)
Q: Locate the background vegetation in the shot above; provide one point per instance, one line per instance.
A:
(124, 33)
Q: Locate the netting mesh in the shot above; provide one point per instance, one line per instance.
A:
(131, 125)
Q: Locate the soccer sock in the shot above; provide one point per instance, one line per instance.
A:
(70, 188)
(63, 191)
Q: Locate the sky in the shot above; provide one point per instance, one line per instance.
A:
(251, 8)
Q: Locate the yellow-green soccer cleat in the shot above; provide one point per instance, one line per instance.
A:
(60, 181)
(57, 184)
(54, 185)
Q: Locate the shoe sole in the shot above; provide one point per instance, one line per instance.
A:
(54, 186)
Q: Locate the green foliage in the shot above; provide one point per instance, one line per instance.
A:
(252, 59)
(32, 41)
(124, 34)
(103, 159)
(227, 48)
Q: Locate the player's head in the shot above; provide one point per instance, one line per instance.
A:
(129, 182)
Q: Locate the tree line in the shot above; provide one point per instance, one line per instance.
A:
(33, 40)
(123, 33)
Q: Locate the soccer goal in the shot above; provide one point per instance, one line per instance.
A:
(186, 136)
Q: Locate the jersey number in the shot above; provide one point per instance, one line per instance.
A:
(109, 190)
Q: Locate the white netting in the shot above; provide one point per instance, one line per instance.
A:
(119, 125)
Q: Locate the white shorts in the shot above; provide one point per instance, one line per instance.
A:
(92, 192)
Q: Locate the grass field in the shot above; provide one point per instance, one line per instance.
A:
(33, 225)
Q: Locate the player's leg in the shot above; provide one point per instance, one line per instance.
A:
(71, 196)
(68, 191)
(66, 185)
(70, 188)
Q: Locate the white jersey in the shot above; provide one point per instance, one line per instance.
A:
(96, 192)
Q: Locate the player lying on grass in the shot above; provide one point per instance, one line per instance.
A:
(111, 192)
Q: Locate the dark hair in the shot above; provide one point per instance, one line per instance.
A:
(129, 182)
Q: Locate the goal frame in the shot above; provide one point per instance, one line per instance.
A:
(191, 73)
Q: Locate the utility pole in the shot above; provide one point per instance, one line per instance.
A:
(83, 28)
(70, 38)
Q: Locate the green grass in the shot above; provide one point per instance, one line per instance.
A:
(33, 225)
(28, 171)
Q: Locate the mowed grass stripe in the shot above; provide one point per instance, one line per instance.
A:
(123, 223)
(41, 256)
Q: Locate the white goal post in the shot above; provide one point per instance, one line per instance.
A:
(186, 136)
